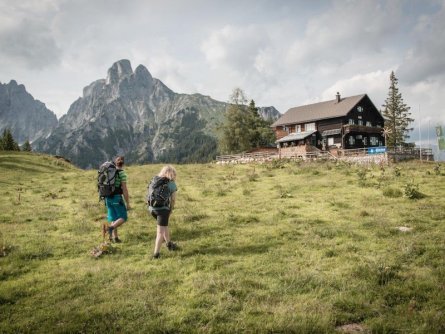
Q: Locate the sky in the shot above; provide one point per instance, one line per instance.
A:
(281, 53)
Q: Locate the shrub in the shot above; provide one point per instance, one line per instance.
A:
(392, 192)
(362, 173)
(411, 191)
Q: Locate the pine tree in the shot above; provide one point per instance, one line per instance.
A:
(260, 133)
(26, 146)
(397, 115)
(7, 142)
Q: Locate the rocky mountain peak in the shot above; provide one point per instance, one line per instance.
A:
(118, 71)
(27, 118)
(142, 75)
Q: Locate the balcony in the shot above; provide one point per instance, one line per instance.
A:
(348, 128)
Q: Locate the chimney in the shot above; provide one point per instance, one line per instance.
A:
(338, 97)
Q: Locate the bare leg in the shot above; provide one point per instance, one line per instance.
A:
(115, 225)
(160, 233)
(166, 235)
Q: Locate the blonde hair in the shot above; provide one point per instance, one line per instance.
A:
(168, 172)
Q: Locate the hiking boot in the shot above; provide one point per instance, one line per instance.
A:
(172, 246)
(156, 256)
(117, 240)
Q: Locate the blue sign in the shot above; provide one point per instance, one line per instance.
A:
(377, 150)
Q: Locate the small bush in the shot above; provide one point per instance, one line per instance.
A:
(411, 191)
(392, 192)
(397, 172)
(364, 213)
(362, 177)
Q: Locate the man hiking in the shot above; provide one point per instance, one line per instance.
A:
(117, 208)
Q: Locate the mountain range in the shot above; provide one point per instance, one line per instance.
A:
(128, 113)
(27, 118)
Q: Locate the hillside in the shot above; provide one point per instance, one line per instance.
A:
(279, 247)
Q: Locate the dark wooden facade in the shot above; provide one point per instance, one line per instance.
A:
(359, 126)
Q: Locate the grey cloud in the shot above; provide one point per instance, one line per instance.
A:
(346, 30)
(426, 60)
(31, 44)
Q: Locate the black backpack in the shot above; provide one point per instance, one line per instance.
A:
(158, 192)
(106, 178)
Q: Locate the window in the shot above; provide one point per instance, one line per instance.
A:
(359, 137)
(310, 126)
(330, 141)
(351, 121)
(360, 122)
(351, 140)
(359, 109)
(374, 141)
(368, 123)
(359, 117)
(365, 141)
(298, 128)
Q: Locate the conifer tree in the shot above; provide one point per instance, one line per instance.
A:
(397, 115)
(7, 142)
(26, 146)
(261, 134)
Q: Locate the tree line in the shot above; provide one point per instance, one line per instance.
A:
(8, 143)
(244, 129)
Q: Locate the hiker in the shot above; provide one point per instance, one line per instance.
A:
(117, 208)
(162, 185)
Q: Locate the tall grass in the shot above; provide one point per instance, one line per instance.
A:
(280, 247)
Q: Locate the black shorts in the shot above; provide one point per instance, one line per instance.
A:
(161, 216)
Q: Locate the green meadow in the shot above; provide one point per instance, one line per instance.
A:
(280, 247)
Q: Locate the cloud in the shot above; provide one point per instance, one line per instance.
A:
(234, 47)
(344, 31)
(28, 39)
(426, 59)
(375, 84)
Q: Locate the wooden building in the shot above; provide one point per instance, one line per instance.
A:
(343, 123)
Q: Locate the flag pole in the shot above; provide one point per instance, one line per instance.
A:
(420, 137)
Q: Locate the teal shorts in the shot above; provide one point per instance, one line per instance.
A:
(116, 208)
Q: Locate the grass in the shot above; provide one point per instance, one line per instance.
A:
(286, 247)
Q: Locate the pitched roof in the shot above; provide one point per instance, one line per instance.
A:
(296, 136)
(317, 111)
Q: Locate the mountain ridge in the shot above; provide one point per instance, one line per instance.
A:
(26, 117)
(132, 113)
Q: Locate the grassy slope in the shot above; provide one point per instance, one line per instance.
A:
(265, 248)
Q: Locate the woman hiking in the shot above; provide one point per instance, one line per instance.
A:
(161, 201)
